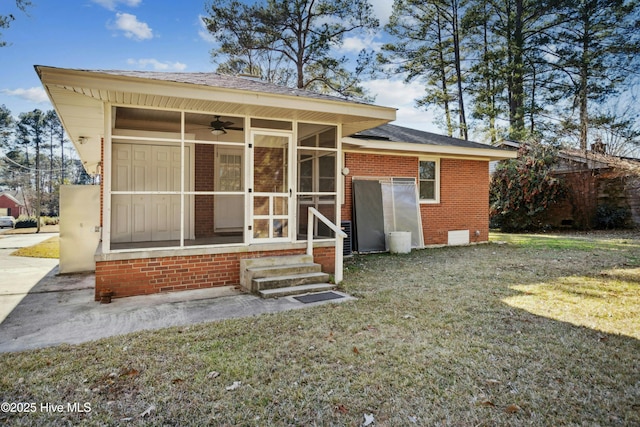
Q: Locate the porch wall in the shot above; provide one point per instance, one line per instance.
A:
(204, 181)
(464, 193)
(144, 276)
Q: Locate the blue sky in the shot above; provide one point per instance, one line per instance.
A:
(154, 35)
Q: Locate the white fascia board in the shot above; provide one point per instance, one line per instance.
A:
(434, 150)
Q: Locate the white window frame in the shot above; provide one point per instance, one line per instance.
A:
(435, 200)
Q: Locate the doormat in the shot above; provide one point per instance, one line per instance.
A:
(321, 296)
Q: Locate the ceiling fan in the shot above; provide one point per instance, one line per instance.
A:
(219, 127)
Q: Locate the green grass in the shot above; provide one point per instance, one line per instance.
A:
(49, 248)
(558, 241)
(522, 333)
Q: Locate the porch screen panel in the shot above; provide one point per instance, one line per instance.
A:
(402, 208)
(271, 191)
(317, 177)
(368, 216)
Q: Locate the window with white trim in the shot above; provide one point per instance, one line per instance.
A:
(429, 180)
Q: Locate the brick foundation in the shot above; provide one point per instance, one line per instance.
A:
(178, 273)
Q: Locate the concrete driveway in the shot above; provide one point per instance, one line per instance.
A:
(49, 309)
(18, 275)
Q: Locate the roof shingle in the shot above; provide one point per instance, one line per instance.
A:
(226, 82)
(394, 133)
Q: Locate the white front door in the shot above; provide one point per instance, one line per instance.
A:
(271, 187)
(147, 169)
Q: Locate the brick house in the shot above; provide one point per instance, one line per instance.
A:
(598, 187)
(206, 179)
(10, 206)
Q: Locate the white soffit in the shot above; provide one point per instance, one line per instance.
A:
(68, 88)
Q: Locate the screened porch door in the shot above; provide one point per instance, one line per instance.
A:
(271, 191)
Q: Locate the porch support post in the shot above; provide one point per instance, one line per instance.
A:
(339, 264)
(310, 232)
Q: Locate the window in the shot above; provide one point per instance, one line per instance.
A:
(429, 171)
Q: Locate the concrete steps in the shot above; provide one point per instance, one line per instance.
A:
(273, 277)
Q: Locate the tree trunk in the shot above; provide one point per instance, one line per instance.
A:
(584, 78)
(458, 65)
(38, 190)
(443, 78)
(517, 68)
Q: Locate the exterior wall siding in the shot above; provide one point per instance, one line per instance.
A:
(13, 209)
(464, 193)
(178, 273)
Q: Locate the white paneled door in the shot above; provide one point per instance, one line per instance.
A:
(146, 169)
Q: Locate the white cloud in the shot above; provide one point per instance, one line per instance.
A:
(396, 93)
(112, 4)
(157, 65)
(34, 94)
(382, 10)
(356, 44)
(132, 28)
(203, 32)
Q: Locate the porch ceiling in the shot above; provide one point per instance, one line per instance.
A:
(79, 98)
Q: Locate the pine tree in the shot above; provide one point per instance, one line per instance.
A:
(292, 41)
(597, 50)
(426, 46)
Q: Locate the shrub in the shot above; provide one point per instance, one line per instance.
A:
(49, 220)
(24, 221)
(608, 217)
(523, 188)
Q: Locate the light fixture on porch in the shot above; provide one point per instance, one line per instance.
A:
(82, 139)
(217, 127)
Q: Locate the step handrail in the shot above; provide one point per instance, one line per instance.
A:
(340, 236)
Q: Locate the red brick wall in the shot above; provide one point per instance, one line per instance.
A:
(102, 180)
(204, 181)
(464, 202)
(464, 193)
(178, 273)
(362, 165)
(12, 207)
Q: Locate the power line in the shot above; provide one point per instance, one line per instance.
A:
(9, 160)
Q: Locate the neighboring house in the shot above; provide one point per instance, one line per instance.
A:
(203, 174)
(600, 189)
(10, 206)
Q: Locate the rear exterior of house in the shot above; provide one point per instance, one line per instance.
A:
(203, 174)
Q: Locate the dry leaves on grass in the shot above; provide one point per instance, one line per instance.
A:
(426, 342)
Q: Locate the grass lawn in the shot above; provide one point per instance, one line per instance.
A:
(528, 330)
(49, 248)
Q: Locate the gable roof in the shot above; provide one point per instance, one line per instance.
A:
(593, 160)
(223, 81)
(13, 199)
(398, 138)
(80, 97)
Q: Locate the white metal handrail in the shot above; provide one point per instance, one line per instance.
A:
(340, 235)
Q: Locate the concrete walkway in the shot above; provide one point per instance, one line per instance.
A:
(61, 309)
(18, 275)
